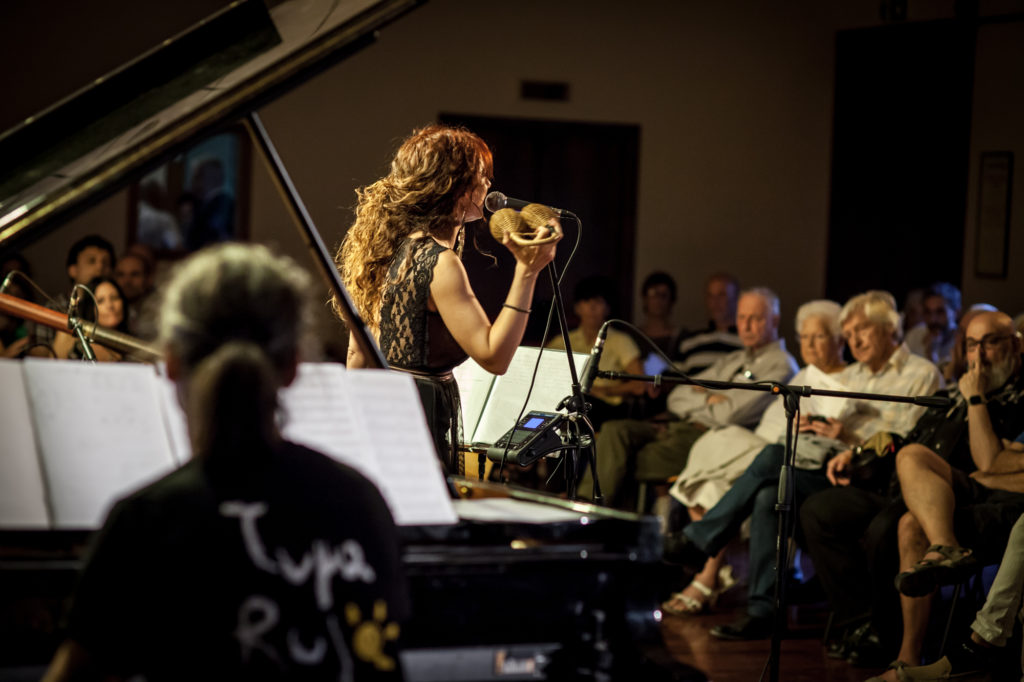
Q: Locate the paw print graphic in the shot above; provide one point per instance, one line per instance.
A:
(369, 637)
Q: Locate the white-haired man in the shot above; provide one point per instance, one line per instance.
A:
(630, 448)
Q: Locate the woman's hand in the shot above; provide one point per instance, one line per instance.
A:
(532, 259)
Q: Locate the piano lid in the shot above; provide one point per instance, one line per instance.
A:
(87, 146)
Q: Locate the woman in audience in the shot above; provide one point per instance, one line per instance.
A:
(401, 261)
(658, 293)
(106, 308)
(258, 559)
(721, 455)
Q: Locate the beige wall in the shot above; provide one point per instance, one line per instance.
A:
(734, 102)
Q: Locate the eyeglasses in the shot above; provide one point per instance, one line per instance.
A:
(990, 343)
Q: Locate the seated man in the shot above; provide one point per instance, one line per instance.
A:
(934, 339)
(134, 274)
(934, 488)
(870, 326)
(851, 530)
(90, 257)
(652, 452)
(697, 350)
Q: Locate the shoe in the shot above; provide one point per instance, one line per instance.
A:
(864, 648)
(897, 665)
(956, 564)
(679, 550)
(682, 604)
(745, 629)
(943, 669)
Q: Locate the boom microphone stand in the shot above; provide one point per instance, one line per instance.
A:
(786, 490)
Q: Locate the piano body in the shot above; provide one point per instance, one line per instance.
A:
(571, 598)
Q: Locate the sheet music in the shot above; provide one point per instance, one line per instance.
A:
(509, 391)
(175, 420)
(22, 496)
(100, 434)
(499, 509)
(826, 406)
(318, 412)
(387, 405)
(474, 388)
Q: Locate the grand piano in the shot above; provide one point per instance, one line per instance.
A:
(568, 599)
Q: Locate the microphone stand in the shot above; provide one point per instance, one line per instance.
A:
(580, 432)
(786, 504)
(75, 325)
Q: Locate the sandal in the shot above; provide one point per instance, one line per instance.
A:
(929, 574)
(682, 604)
(896, 665)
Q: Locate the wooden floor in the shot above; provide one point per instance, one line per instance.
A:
(803, 659)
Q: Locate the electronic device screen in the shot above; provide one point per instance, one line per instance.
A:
(532, 423)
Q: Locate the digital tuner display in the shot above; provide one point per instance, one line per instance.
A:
(533, 422)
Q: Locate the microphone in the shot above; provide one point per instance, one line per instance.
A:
(595, 359)
(7, 281)
(496, 201)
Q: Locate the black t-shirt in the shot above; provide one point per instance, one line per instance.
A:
(283, 567)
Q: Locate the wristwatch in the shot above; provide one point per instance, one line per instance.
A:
(976, 400)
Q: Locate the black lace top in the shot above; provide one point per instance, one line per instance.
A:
(415, 339)
(412, 336)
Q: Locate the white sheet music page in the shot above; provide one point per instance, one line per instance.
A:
(474, 388)
(388, 406)
(317, 411)
(100, 431)
(22, 496)
(553, 383)
(826, 406)
(175, 420)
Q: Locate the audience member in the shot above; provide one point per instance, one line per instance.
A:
(957, 364)
(913, 308)
(870, 326)
(592, 297)
(698, 350)
(935, 338)
(935, 488)
(16, 334)
(134, 274)
(106, 308)
(851, 529)
(658, 294)
(632, 449)
(721, 455)
(90, 257)
(259, 558)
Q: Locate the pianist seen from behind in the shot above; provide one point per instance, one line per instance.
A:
(259, 558)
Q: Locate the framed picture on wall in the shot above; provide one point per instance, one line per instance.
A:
(995, 180)
(199, 197)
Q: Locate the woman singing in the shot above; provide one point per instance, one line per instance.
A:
(401, 261)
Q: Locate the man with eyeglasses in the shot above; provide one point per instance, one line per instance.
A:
(857, 536)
